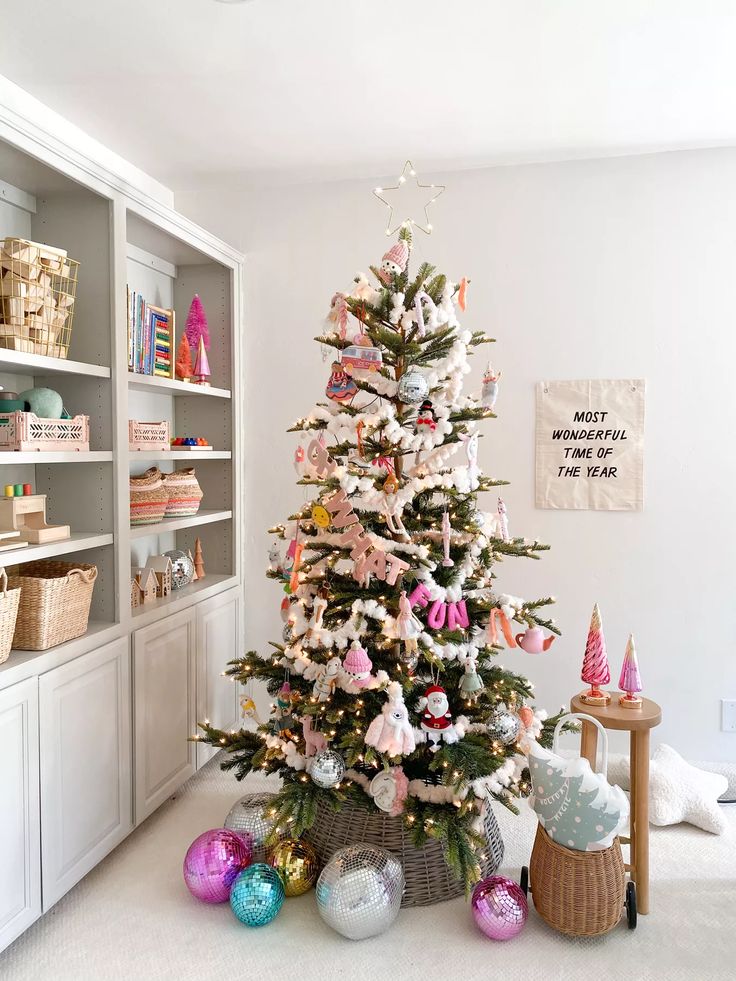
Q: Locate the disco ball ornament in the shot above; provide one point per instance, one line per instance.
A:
(359, 891)
(257, 895)
(213, 861)
(182, 568)
(499, 907)
(297, 864)
(505, 725)
(249, 815)
(287, 633)
(413, 387)
(328, 769)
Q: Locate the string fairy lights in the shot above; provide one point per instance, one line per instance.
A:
(435, 190)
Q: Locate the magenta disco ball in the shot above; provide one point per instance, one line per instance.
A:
(499, 907)
(213, 861)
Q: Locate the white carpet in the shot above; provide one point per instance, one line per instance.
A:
(132, 918)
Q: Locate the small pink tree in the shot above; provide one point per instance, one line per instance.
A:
(196, 325)
(630, 680)
(595, 662)
(201, 365)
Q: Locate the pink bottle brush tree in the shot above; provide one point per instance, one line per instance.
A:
(630, 680)
(595, 663)
(196, 325)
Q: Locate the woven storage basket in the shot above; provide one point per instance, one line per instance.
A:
(428, 877)
(8, 614)
(54, 603)
(184, 491)
(148, 498)
(578, 893)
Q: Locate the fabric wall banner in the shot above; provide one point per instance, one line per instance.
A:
(590, 444)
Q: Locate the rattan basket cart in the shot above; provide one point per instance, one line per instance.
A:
(581, 894)
(428, 877)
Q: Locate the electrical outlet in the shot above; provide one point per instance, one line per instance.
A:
(728, 714)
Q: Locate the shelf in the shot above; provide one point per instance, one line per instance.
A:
(19, 363)
(164, 455)
(52, 456)
(202, 517)
(79, 541)
(181, 599)
(23, 664)
(169, 386)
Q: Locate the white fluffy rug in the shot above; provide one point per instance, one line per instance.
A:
(133, 919)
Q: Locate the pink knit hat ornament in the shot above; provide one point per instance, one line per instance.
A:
(357, 665)
(394, 261)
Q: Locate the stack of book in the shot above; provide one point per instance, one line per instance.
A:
(150, 337)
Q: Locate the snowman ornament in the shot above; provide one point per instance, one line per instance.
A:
(436, 719)
(394, 261)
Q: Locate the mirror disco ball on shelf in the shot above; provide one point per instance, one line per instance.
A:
(250, 815)
(359, 891)
(182, 568)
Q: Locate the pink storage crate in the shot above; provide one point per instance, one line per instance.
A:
(24, 431)
(148, 435)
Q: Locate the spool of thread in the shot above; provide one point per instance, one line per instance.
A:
(27, 490)
(19, 490)
(9, 490)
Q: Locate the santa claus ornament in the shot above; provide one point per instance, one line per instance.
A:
(394, 261)
(436, 718)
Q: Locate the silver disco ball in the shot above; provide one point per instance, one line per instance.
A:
(182, 568)
(359, 891)
(505, 726)
(413, 387)
(249, 815)
(328, 769)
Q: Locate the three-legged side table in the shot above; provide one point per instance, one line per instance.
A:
(637, 722)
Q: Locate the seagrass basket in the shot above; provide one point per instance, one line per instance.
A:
(55, 598)
(429, 879)
(578, 893)
(9, 601)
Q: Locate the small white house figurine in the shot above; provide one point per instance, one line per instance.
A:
(147, 583)
(160, 565)
(136, 594)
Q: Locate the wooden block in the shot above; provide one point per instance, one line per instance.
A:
(44, 280)
(10, 286)
(64, 300)
(21, 270)
(12, 310)
(21, 249)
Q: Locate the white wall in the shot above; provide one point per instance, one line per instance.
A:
(611, 268)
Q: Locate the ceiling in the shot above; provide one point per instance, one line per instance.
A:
(200, 93)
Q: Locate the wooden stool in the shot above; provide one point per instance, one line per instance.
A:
(638, 722)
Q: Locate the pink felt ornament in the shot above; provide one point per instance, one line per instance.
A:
(457, 616)
(196, 325)
(437, 615)
(595, 662)
(630, 680)
(423, 298)
(314, 742)
(533, 640)
(419, 596)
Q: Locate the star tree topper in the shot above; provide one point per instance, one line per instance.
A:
(390, 195)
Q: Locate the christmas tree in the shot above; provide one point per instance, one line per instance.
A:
(196, 325)
(183, 360)
(595, 662)
(390, 639)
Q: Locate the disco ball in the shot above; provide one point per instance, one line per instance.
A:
(499, 907)
(505, 725)
(213, 861)
(249, 815)
(297, 864)
(257, 895)
(359, 891)
(328, 768)
(182, 568)
(413, 387)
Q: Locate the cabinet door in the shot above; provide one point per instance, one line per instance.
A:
(86, 806)
(218, 641)
(163, 709)
(20, 844)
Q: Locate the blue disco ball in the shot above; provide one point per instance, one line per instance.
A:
(257, 895)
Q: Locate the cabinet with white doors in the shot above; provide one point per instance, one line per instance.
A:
(20, 839)
(85, 751)
(164, 681)
(218, 642)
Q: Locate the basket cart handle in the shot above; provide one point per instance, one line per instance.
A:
(88, 575)
(4, 581)
(601, 730)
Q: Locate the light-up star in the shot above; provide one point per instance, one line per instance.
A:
(410, 203)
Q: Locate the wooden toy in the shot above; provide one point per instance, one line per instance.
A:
(190, 443)
(160, 565)
(27, 516)
(198, 559)
(136, 594)
(148, 584)
(11, 539)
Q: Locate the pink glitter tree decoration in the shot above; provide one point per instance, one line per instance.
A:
(595, 663)
(196, 325)
(630, 680)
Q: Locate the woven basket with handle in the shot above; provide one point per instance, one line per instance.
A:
(9, 601)
(578, 893)
(429, 879)
(54, 603)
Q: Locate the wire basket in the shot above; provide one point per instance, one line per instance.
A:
(55, 598)
(38, 286)
(429, 879)
(9, 601)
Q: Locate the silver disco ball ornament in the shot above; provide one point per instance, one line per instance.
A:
(359, 891)
(413, 387)
(250, 815)
(505, 726)
(182, 568)
(287, 634)
(328, 769)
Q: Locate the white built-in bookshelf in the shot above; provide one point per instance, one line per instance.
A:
(98, 727)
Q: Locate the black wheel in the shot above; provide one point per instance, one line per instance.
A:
(524, 879)
(631, 905)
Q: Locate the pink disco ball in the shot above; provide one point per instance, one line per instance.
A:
(499, 907)
(213, 861)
